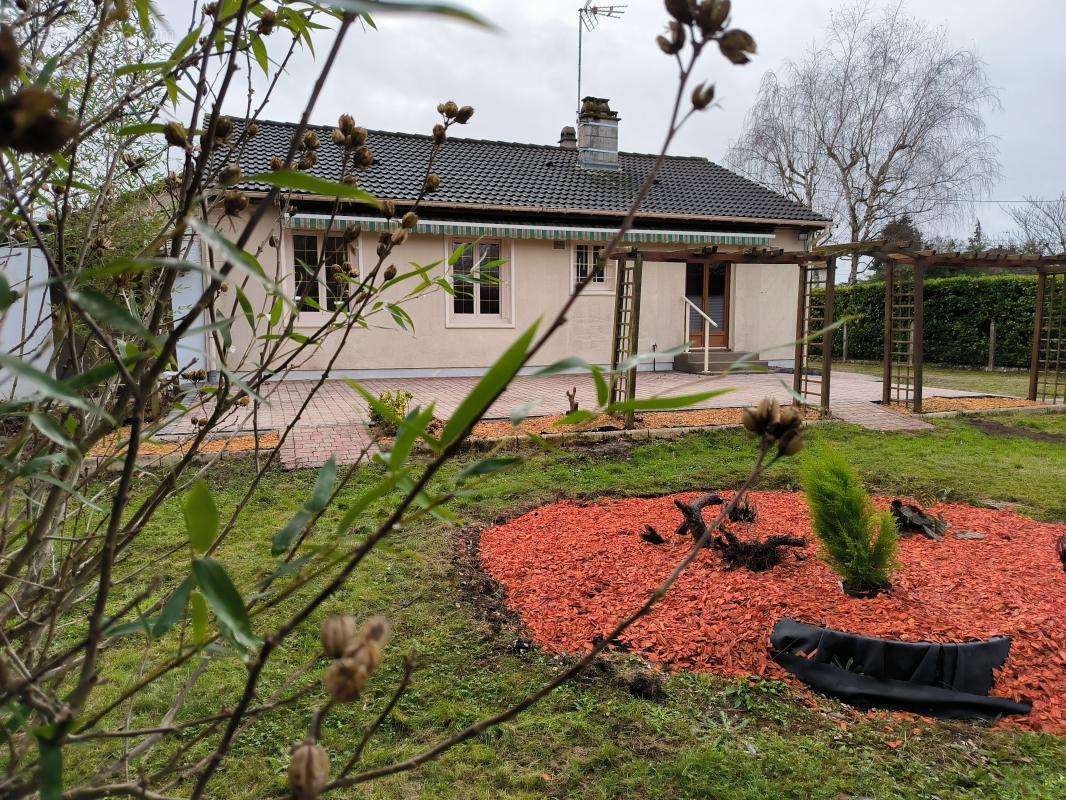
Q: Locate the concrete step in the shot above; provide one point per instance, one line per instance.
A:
(718, 361)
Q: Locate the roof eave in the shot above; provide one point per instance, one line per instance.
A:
(802, 223)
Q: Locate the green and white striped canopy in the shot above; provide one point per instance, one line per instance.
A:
(517, 231)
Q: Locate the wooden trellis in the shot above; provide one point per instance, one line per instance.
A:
(626, 328)
(1047, 375)
(814, 312)
(904, 327)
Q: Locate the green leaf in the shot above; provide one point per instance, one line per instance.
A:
(486, 466)
(491, 384)
(225, 601)
(577, 417)
(45, 383)
(302, 182)
(519, 413)
(324, 486)
(173, 610)
(49, 766)
(413, 426)
(49, 428)
(201, 517)
(246, 307)
(411, 6)
(375, 492)
(260, 52)
(104, 309)
(7, 297)
(141, 129)
(664, 403)
(140, 66)
(230, 251)
(198, 616)
(185, 45)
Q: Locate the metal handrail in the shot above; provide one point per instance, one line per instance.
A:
(707, 322)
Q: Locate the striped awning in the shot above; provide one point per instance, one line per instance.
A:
(516, 231)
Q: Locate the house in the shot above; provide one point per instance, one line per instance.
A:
(545, 211)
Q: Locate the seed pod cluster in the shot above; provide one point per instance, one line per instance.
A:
(355, 653)
(266, 23)
(736, 44)
(31, 121)
(432, 183)
(410, 219)
(234, 202)
(776, 425)
(230, 174)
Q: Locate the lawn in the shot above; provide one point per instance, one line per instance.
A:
(1014, 383)
(707, 738)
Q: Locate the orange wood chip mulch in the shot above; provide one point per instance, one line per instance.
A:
(116, 443)
(572, 571)
(936, 404)
(496, 429)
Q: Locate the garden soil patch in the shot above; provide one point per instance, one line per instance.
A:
(115, 444)
(993, 428)
(572, 571)
(932, 405)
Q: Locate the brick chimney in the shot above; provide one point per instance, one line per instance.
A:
(597, 134)
(568, 138)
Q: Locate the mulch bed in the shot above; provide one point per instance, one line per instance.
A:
(697, 417)
(572, 571)
(932, 405)
(116, 443)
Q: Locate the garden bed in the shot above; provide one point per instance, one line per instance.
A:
(697, 417)
(115, 445)
(938, 405)
(572, 571)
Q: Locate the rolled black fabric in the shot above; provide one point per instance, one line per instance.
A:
(940, 680)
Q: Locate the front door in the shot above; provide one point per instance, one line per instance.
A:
(707, 288)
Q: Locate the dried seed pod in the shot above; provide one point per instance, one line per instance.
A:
(31, 122)
(439, 133)
(681, 10)
(449, 109)
(388, 208)
(223, 129)
(390, 272)
(350, 180)
(266, 23)
(357, 137)
(308, 770)
(337, 634)
(234, 202)
(382, 249)
(307, 161)
(463, 115)
(276, 163)
(338, 138)
(230, 174)
(346, 124)
(362, 158)
(174, 133)
(702, 96)
(432, 183)
(223, 287)
(674, 41)
(790, 444)
(252, 129)
(377, 629)
(735, 45)
(711, 16)
(758, 418)
(410, 219)
(310, 141)
(351, 233)
(346, 677)
(399, 236)
(172, 181)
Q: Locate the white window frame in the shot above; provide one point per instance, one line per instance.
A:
(316, 318)
(508, 285)
(605, 286)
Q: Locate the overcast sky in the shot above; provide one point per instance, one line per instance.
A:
(522, 80)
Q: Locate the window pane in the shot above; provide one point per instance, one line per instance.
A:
(600, 276)
(489, 274)
(305, 254)
(338, 269)
(585, 261)
(463, 298)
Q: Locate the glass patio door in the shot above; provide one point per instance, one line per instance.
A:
(707, 287)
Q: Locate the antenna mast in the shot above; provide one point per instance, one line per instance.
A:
(587, 19)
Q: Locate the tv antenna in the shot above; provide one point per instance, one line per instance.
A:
(588, 18)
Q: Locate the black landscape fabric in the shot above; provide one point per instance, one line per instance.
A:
(939, 680)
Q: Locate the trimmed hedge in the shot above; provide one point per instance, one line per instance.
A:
(957, 316)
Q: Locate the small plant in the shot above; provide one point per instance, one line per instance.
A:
(858, 542)
(397, 402)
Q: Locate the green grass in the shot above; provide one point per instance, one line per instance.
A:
(592, 739)
(1014, 383)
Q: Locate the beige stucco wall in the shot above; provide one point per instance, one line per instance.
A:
(762, 311)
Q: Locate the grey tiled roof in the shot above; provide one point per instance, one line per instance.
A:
(541, 178)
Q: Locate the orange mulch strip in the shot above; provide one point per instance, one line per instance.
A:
(115, 444)
(935, 404)
(497, 429)
(572, 571)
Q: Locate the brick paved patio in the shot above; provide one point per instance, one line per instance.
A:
(335, 418)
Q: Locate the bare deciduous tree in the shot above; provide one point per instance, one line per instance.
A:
(882, 116)
(1041, 225)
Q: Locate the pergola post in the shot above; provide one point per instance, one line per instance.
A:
(918, 333)
(1038, 327)
(828, 336)
(886, 360)
(800, 364)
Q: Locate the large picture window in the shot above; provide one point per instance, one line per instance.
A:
(585, 256)
(324, 267)
(481, 282)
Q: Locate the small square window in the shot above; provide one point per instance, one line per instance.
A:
(586, 257)
(481, 283)
(324, 268)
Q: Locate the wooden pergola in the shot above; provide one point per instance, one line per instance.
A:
(905, 269)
